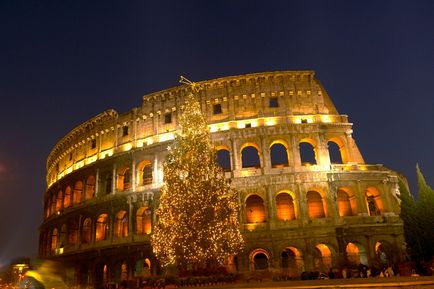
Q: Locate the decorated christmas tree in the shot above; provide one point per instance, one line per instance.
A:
(198, 211)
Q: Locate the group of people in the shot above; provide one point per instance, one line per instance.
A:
(362, 271)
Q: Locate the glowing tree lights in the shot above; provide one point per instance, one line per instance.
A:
(198, 211)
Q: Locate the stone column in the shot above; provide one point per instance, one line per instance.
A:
(236, 155)
(93, 231)
(322, 152)
(361, 200)
(80, 228)
(133, 172)
(331, 197)
(155, 175)
(386, 197)
(96, 183)
(114, 179)
(271, 206)
(130, 219)
(303, 215)
(294, 147)
(265, 151)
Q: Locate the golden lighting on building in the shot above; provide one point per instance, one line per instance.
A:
(166, 137)
(269, 121)
(215, 127)
(126, 147)
(326, 118)
(91, 159)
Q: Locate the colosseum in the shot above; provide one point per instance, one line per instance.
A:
(308, 200)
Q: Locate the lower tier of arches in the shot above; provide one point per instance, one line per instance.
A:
(290, 255)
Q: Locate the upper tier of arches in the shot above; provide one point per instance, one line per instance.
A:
(247, 101)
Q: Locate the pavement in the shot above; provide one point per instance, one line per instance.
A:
(354, 283)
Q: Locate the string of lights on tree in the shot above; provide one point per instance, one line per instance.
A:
(198, 210)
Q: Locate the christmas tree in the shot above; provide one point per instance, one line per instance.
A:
(198, 210)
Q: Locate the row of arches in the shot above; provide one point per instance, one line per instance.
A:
(287, 208)
(109, 271)
(279, 154)
(323, 257)
(74, 232)
(84, 190)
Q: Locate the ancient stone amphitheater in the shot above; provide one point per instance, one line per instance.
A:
(308, 200)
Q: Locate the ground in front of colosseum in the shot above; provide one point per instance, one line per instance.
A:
(353, 283)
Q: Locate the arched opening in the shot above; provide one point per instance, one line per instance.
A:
(54, 237)
(62, 236)
(67, 197)
(307, 153)
(374, 202)
(59, 201)
(143, 268)
(383, 253)
(285, 207)
(86, 234)
(90, 187)
(279, 155)
(322, 258)
(337, 151)
(250, 157)
(255, 210)
(224, 159)
(105, 274)
(48, 208)
(356, 254)
(73, 232)
(144, 171)
(291, 262)
(78, 188)
(53, 204)
(108, 184)
(101, 232)
(315, 206)
(143, 221)
(124, 271)
(334, 153)
(101, 276)
(121, 225)
(259, 260)
(124, 179)
(344, 205)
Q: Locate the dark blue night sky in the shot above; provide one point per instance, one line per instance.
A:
(62, 62)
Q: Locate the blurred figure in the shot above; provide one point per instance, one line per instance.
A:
(45, 277)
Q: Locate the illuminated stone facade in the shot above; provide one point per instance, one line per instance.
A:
(297, 214)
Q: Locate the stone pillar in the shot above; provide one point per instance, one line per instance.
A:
(236, 155)
(96, 183)
(130, 219)
(361, 200)
(93, 231)
(133, 172)
(80, 228)
(303, 215)
(332, 204)
(294, 147)
(155, 175)
(322, 152)
(265, 151)
(114, 180)
(271, 207)
(386, 197)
